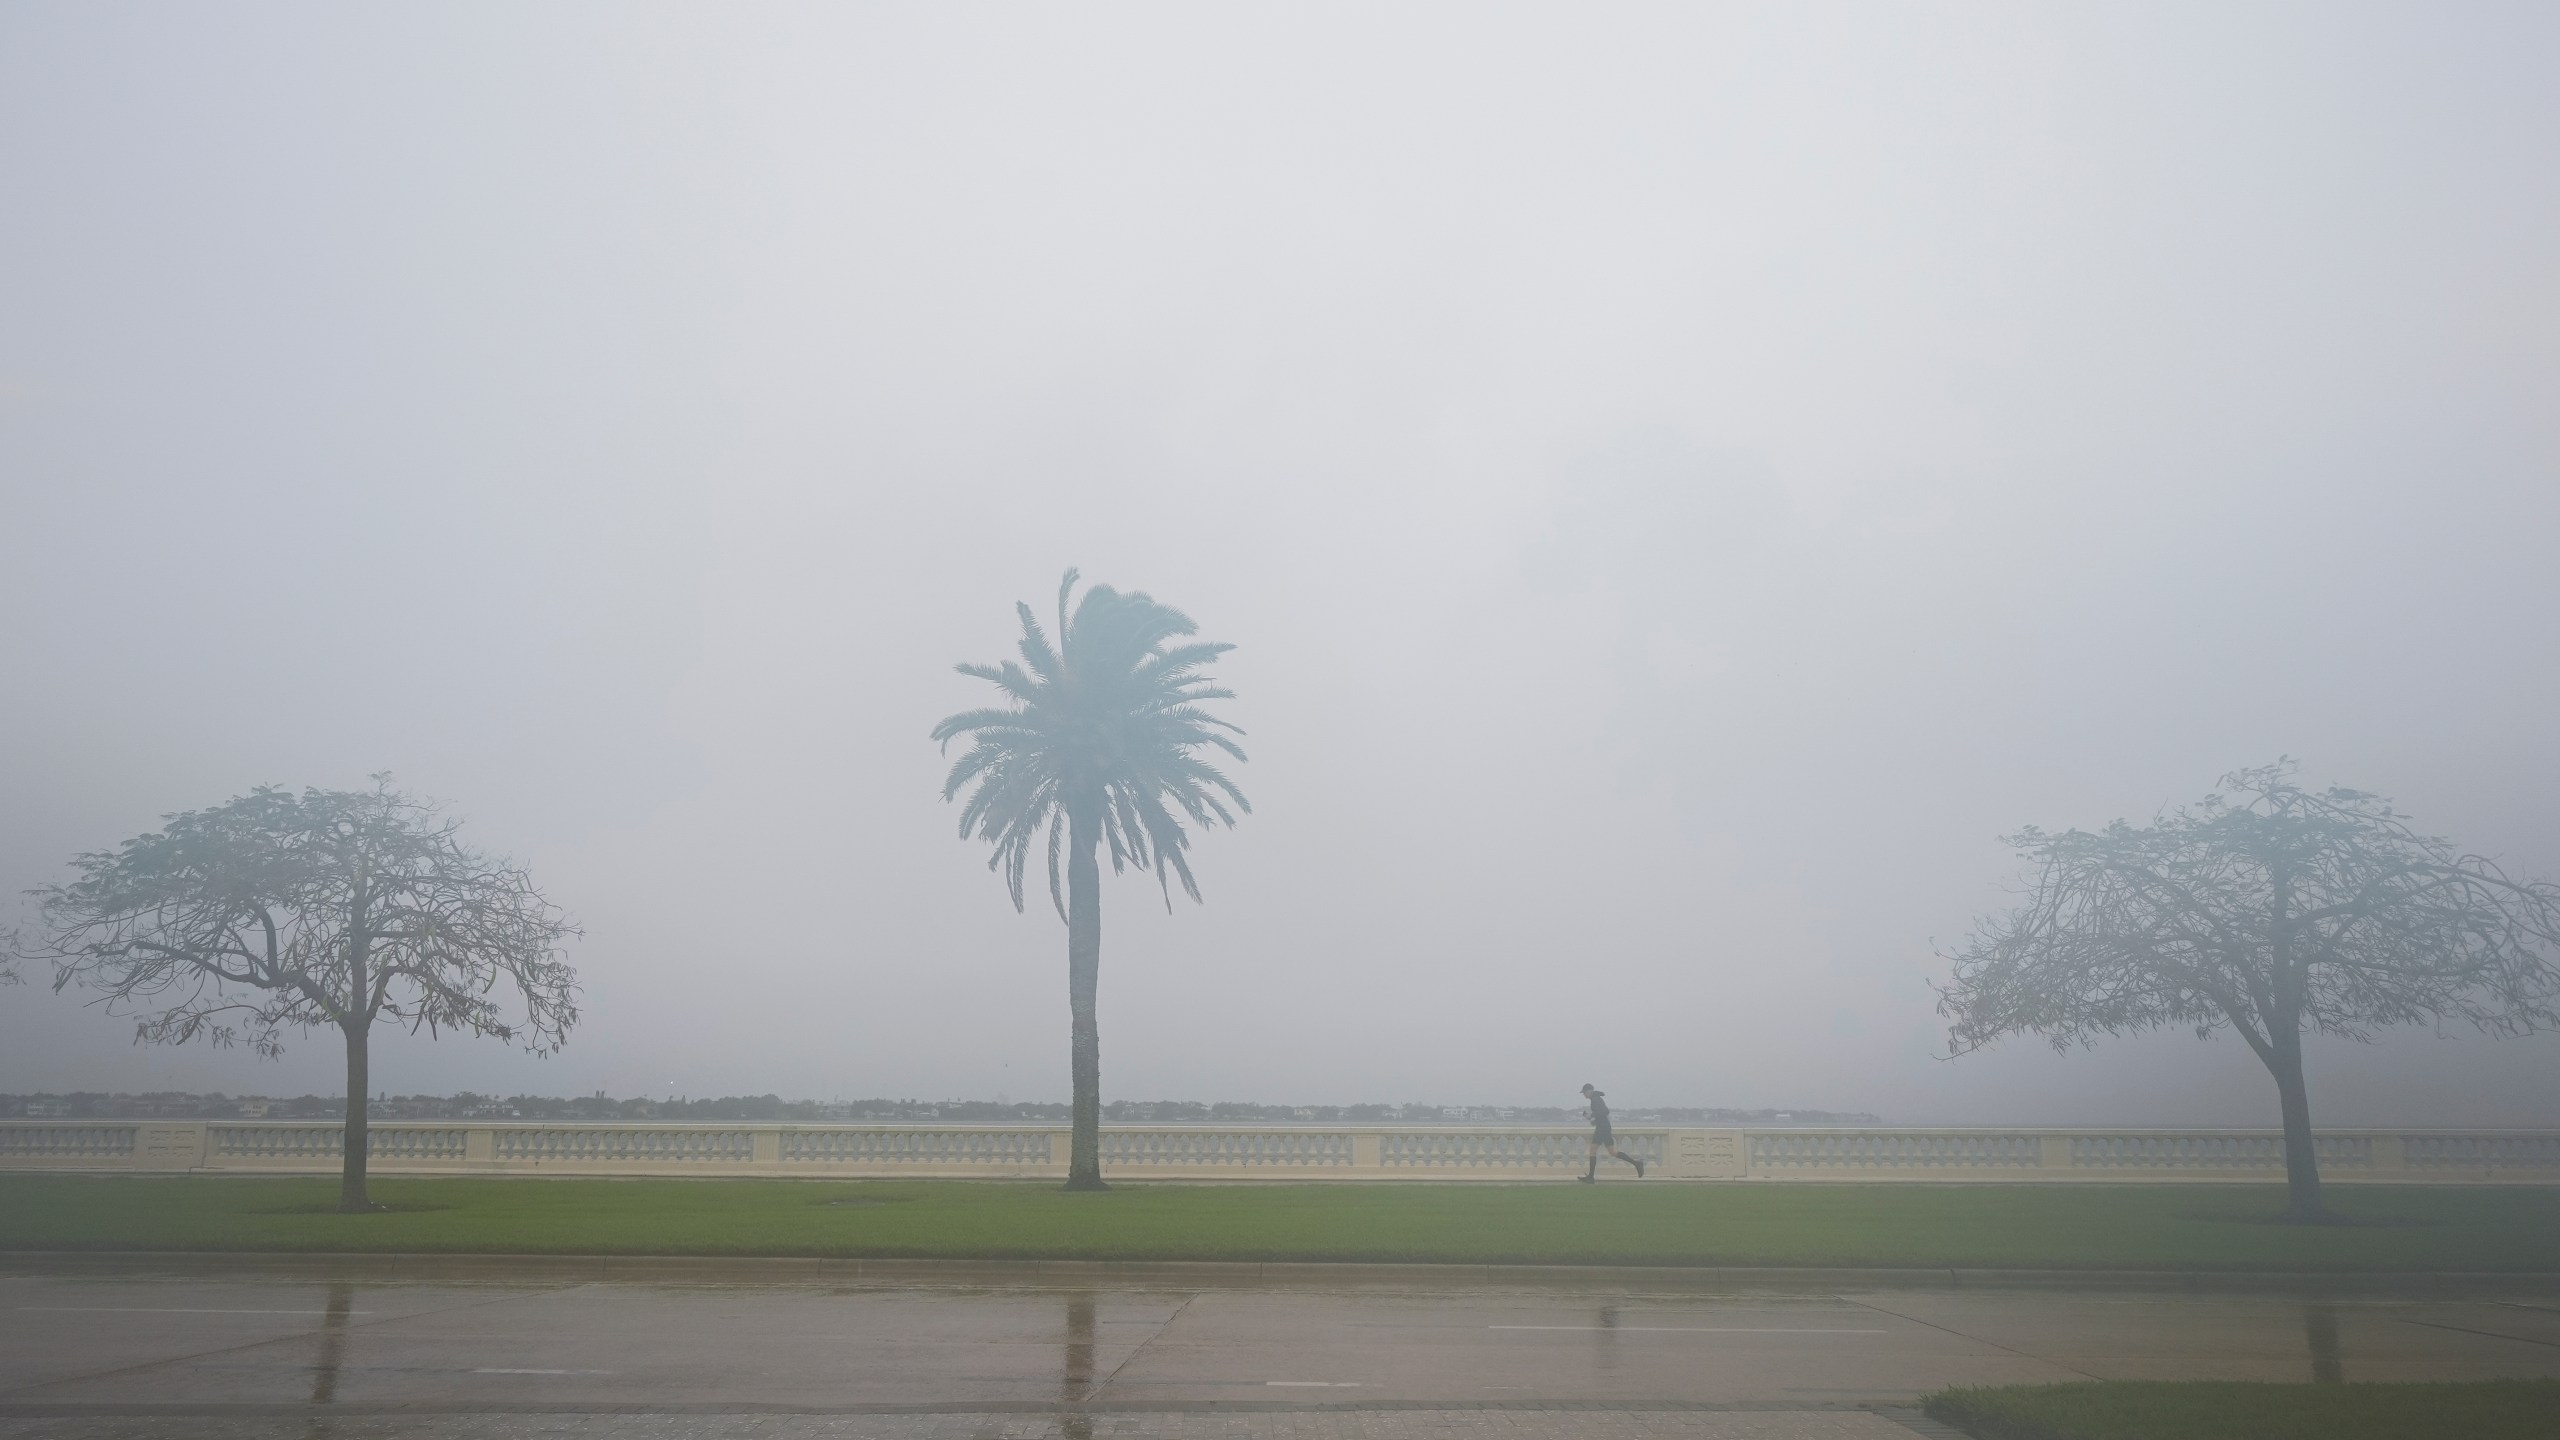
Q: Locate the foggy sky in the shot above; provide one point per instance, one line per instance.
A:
(1682, 481)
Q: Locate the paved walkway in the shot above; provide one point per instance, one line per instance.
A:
(225, 1356)
(1356, 1425)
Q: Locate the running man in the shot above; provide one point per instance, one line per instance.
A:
(1603, 1138)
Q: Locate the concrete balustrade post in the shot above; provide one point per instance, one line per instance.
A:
(1366, 1153)
(767, 1147)
(1726, 1156)
(479, 1144)
(170, 1145)
(1697, 1155)
(2390, 1153)
(2053, 1152)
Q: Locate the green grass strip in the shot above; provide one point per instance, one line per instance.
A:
(2215, 1228)
(2241, 1410)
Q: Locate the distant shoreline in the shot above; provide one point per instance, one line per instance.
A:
(467, 1105)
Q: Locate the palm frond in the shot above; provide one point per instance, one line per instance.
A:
(1041, 660)
(1097, 744)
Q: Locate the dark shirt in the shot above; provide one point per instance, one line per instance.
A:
(1599, 1113)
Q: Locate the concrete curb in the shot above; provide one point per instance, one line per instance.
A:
(1055, 1274)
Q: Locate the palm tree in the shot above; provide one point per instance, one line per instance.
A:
(1097, 749)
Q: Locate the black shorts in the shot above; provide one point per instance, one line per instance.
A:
(1604, 1137)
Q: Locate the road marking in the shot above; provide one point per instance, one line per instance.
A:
(2492, 1334)
(493, 1370)
(1690, 1329)
(173, 1310)
(1318, 1384)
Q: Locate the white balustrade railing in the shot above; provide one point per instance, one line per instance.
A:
(2213, 1152)
(620, 1144)
(86, 1142)
(1504, 1149)
(2507, 1152)
(1275, 1152)
(323, 1142)
(972, 1149)
(1870, 1150)
(1227, 1149)
(415, 1142)
(275, 1142)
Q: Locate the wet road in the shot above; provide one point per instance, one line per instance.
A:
(216, 1356)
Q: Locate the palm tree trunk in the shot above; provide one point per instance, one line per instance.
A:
(358, 1144)
(1084, 965)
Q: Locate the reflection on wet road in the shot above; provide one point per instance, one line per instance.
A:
(72, 1345)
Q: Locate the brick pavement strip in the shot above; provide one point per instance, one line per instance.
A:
(1399, 1423)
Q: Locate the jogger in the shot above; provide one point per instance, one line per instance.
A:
(1603, 1138)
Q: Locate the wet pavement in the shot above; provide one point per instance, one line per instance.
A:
(245, 1355)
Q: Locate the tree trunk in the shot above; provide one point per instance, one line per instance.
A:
(358, 1144)
(1084, 965)
(2282, 1009)
(2301, 1156)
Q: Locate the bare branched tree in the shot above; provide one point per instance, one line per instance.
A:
(280, 912)
(2269, 910)
(1097, 750)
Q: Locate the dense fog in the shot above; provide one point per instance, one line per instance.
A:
(1681, 480)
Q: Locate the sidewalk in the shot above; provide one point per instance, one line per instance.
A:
(1046, 1274)
(1376, 1424)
